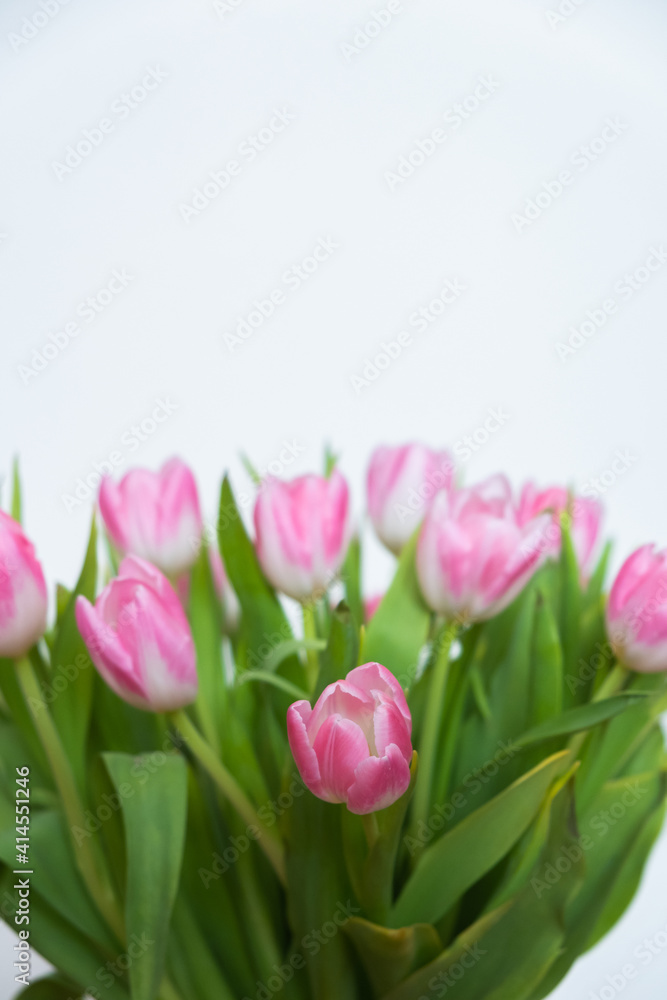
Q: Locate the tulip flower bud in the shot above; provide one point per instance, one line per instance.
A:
(355, 745)
(473, 556)
(401, 485)
(585, 515)
(139, 639)
(637, 611)
(303, 530)
(23, 600)
(155, 515)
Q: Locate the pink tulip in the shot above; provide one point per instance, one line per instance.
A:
(155, 515)
(354, 746)
(473, 555)
(139, 639)
(401, 485)
(584, 522)
(303, 530)
(231, 609)
(637, 611)
(23, 600)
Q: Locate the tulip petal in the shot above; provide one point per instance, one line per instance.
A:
(108, 654)
(391, 728)
(298, 715)
(340, 746)
(379, 782)
(373, 677)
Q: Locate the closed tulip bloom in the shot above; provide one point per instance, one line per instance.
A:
(637, 611)
(155, 515)
(401, 485)
(584, 524)
(355, 745)
(23, 600)
(303, 529)
(473, 555)
(139, 639)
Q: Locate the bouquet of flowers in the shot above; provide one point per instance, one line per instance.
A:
(225, 775)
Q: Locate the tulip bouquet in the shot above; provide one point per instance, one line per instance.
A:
(228, 776)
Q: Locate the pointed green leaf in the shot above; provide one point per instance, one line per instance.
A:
(390, 955)
(154, 815)
(16, 509)
(574, 720)
(463, 855)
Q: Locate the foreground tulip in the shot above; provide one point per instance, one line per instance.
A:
(139, 638)
(303, 530)
(585, 518)
(637, 611)
(23, 600)
(355, 745)
(401, 485)
(473, 556)
(155, 515)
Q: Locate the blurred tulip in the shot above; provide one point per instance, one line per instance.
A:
(473, 556)
(139, 638)
(155, 515)
(303, 530)
(355, 745)
(401, 485)
(584, 524)
(637, 611)
(23, 600)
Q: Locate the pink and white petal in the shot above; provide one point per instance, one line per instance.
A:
(340, 746)
(390, 727)
(344, 699)
(374, 676)
(379, 782)
(305, 757)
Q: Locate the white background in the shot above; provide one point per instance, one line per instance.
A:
(355, 113)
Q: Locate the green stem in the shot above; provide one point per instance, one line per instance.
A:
(612, 683)
(431, 732)
(88, 858)
(168, 991)
(231, 790)
(310, 633)
(371, 828)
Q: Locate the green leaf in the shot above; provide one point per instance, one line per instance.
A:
(399, 628)
(264, 622)
(205, 617)
(390, 955)
(51, 988)
(61, 944)
(463, 855)
(574, 720)
(56, 876)
(570, 605)
(547, 668)
(70, 660)
(154, 815)
(341, 652)
(351, 576)
(16, 509)
(275, 680)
